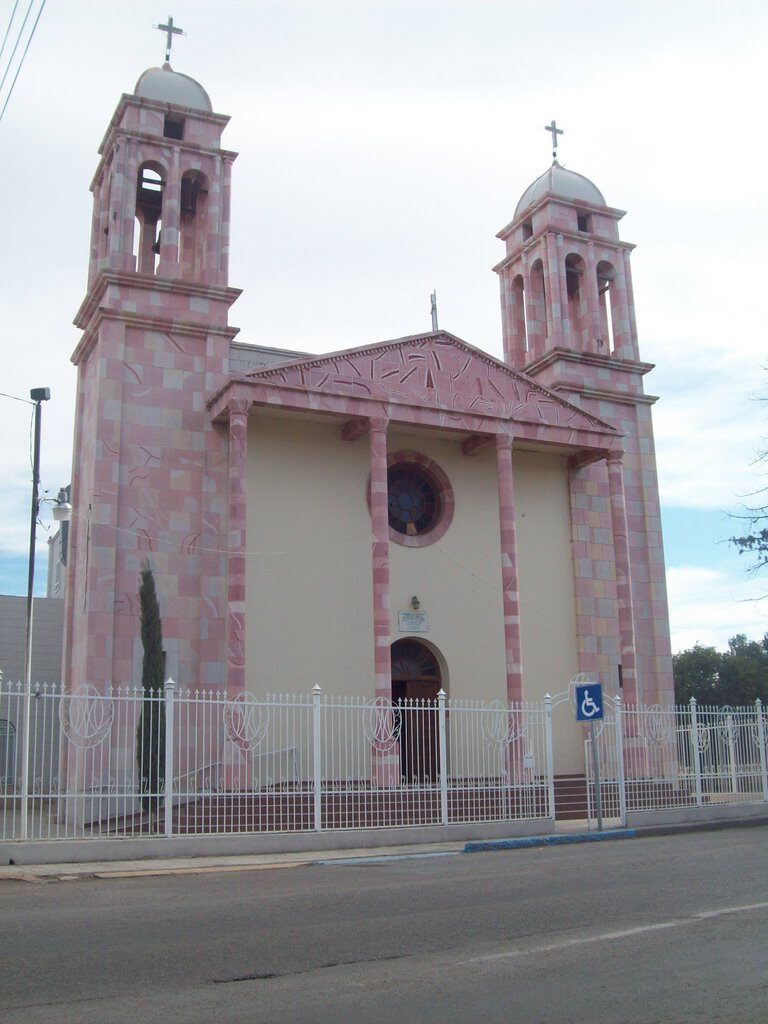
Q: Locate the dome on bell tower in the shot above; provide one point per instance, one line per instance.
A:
(168, 86)
(561, 183)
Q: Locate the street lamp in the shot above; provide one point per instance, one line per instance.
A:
(38, 396)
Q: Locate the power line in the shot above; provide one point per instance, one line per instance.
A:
(16, 398)
(26, 48)
(8, 30)
(16, 44)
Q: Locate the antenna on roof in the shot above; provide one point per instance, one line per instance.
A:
(433, 309)
(555, 131)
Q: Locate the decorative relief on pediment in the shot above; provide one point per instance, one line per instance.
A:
(435, 372)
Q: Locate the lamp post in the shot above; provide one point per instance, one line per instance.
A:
(38, 396)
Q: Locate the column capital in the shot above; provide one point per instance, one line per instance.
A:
(378, 424)
(614, 456)
(238, 406)
(504, 439)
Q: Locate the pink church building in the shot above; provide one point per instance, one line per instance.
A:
(387, 520)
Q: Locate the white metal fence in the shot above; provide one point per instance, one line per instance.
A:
(88, 764)
(654, 758)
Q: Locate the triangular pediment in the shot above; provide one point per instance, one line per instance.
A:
(435, 371)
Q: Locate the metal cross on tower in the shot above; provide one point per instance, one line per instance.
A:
(171, 31)
(555, 131)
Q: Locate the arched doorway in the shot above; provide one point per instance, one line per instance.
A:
(416, 681)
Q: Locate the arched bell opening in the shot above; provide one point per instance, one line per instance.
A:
(150, 186)
(537, 309)
(518, 325)
(193, 224)
(416, 681)
(577, 298)
(607, 298)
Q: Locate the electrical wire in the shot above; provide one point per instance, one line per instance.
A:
(8, 30)
(16, 44)
(21, 62)
(16, 398)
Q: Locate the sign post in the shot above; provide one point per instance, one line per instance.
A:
(589, 708)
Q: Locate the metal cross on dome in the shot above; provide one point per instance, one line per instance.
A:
(170, 31)
(554, 131)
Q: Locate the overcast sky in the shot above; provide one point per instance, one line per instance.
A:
(382, 146)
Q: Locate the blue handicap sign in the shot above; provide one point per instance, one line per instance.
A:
(589, 702)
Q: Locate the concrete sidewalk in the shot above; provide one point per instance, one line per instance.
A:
(204, 865)
(573, 832)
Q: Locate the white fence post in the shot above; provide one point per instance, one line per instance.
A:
(761, 743)
(170, 686)
(317, 761)
(696, 750)
(620, 776)
(731, 753)
(550, 754)
(443, 765)
(25, 737)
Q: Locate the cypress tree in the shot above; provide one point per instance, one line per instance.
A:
(150, 733)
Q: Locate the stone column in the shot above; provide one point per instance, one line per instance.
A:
(385, 760)
(555, 292)
(236, 544)
(565, 312)
(509, 581)
(631, 690)
(170, 221)
(380, 558)
(117, 190)
(226, 205)
(594, 328)
(630, 306)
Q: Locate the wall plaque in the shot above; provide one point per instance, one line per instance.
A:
(412, 622)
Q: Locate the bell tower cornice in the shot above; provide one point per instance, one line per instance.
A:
(99, 296)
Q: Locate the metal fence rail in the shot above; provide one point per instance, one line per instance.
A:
(655, 758)
(124, 763)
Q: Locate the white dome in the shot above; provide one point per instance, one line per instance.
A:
(563, 184)
(168, 86)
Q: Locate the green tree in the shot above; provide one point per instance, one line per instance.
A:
(150, 733)
(754, 541)
(737, 676)
(744, 675)
(697, 674)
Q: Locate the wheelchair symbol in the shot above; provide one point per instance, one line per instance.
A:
(588, 707)
(588, 703)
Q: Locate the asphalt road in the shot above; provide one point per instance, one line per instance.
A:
(671, 930)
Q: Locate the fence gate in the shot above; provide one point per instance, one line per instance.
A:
(574, 781)
(608, 741)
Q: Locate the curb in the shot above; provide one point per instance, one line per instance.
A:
(483, 846)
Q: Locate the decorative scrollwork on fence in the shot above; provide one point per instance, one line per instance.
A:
(381, 725)
(502, 725)
(86, 716)
(658, 725)
(754, 727)
(725, 721)
(246, 720)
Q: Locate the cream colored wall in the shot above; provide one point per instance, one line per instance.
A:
(309, 593)
(457, 579)
(547, 604)
(309, 596)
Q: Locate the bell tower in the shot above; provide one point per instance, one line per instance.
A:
(150, 470)
(568, 321)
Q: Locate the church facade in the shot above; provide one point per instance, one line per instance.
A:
(383, 521)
